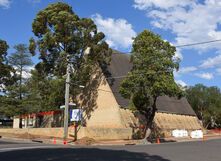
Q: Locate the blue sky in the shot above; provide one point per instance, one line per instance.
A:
(179, 22)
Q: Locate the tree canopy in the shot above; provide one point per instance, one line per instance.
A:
(6, 74)
(151, 76)
(60, 32)
(206, 102)
(63, 36)
(20, 60)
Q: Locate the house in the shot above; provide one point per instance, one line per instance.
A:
(105, 108)
(44, 119)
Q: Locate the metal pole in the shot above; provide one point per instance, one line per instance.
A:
(67, 86)
(66, 111)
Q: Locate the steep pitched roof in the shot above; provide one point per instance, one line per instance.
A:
(119, 66)
(173, 105)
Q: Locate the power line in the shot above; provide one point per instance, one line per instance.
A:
(117, 77)
(184, 45)
(198, 43)
(106, 90)
(124, 76)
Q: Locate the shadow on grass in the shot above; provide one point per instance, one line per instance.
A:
(77, 154)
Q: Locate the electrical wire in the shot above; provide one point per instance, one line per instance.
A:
(198, 43)
(179, 46)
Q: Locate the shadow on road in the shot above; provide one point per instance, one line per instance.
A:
(79, 154)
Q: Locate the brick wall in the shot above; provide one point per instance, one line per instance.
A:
(95, 133)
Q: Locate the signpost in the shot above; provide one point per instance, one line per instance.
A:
(75, 116)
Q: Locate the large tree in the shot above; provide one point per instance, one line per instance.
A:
(61, 32)
(61, 35)
(20, 60)
(152, 76)
(14, 98)
(7, 72)
(7, 79)
(45, 93)
(206, 102)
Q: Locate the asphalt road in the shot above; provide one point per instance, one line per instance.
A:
(188, 151)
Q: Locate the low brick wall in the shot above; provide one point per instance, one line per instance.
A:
(95, 133)
(106, 133)
(46, 132)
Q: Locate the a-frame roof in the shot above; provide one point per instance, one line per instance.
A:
(119, 66)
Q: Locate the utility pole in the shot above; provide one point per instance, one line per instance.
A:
(67, 87)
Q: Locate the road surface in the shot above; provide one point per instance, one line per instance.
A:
(187, 151)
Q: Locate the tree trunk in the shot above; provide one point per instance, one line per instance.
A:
(150, 117)
(20, 122)
(20, 84)
(153, 112)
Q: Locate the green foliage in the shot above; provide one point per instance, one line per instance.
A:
(6, 74)
(20, 60)
(62, 36)
(155, 133)
(11, 106)
(138, 134)
(206, 102)
(45, 93)
(152, 73)
(60, 32)
(3, 50)
(13, 100)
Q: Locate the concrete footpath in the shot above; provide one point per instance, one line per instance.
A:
(90, 141)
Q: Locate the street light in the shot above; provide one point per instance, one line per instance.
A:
(67, 91)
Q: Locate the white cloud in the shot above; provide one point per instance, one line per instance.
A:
(5, 3)
(182, 83)
(2, 87)
(34, 1)
(184, 70)
(218, 70)
(145, 4)
(118, 32)
(26, 72)
(190, 20)
(207, 76)
(178, 54)
(211, 62)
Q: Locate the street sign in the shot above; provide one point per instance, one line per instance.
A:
(63, 106)
(76, 115)
(70, 104)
